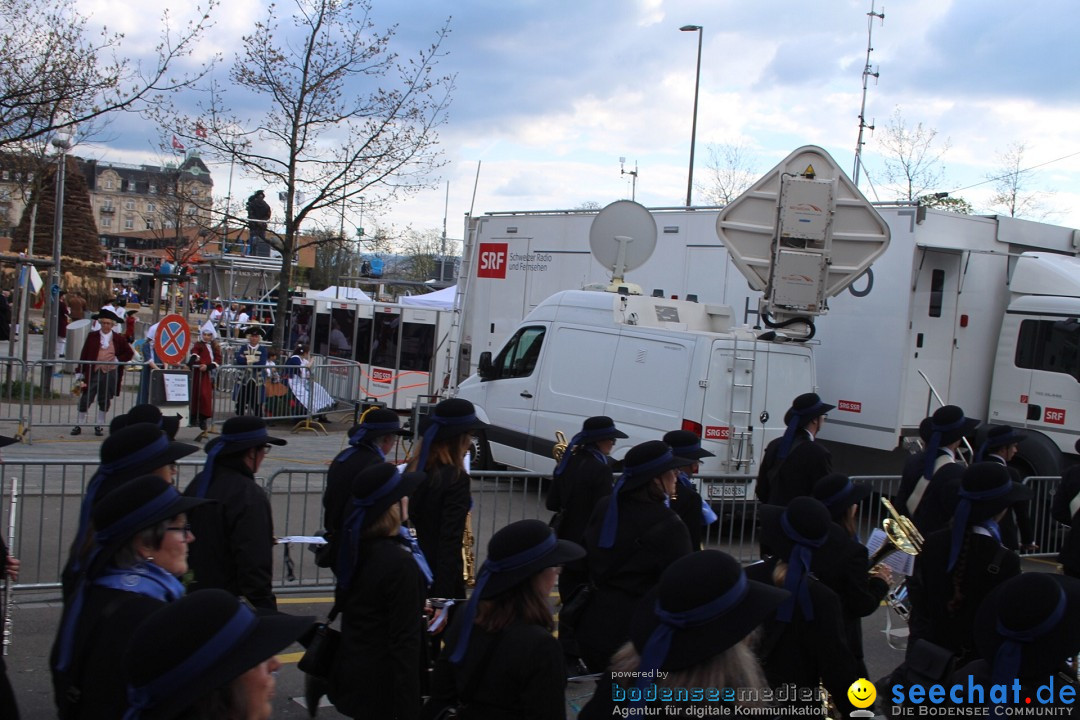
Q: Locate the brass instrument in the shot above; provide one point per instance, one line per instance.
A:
(7, 600)
(468, 553)
(560, 446)
(901, 536)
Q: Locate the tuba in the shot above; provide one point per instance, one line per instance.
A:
(560, 446)
(901, 535)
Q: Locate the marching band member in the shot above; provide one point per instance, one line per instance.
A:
(928, 484)
(793, 462)
(205, 358)
(687, 503)
(1001, 445)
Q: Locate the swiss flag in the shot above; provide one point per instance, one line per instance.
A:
(177, 145)
(200, 131)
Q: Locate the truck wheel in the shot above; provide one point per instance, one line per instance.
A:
(481, 453)
(1038, 456)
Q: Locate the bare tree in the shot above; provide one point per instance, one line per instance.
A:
(346, 122)
(912, 160)
(729, 171)
(1013, 195)
(54, 73)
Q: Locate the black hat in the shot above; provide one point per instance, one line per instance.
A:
(147, 413)
(106, 314)
(378, 422)
(999, 436)
(1041, 613)
(449, 419)
(254, 330)
(642, 464)
(806, 407)
(240, 433)
(686, 444)
(802, 533)
(131, 507)
(986, 488)
(949, 422)
(837, 493)
(600, 427)
(380, 486)
(200, 643)
(515, 553)
(138, 449)
(712, 585)
(5, 441)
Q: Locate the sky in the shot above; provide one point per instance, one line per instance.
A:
(549, 95)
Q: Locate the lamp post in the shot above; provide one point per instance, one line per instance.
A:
(62, 142)
(693, 127)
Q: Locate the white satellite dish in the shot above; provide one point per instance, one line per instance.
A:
(622, 237)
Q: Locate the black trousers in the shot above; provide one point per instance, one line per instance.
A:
(101, 385)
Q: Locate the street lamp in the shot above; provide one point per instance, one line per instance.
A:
(693, 128)
(62, 142)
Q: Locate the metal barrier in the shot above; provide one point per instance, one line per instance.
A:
(60, 408)
(14, 392)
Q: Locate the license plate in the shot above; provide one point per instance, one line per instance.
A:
(727, 492)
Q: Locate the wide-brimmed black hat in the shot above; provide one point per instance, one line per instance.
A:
(139, 449)
(5, 441)
(449, 419)
(200, 643)
(805, 517)
(686, 444)
(837, 493)
(378, 422)
(647, 460)
(242, 432)
(723, 604)
(254, 330)
(806, 407)
(106, 314)
(986, 488)
(1042, 614)
(950, 423)
(131, 507)
(380, 486)
(600, 427)
(999, 436)
(147, 413)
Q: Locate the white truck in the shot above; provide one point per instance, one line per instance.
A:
(656, 364)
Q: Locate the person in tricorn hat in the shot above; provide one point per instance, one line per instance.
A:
(207, 655)
(804, 643)
(205, 358)
(99, 371)
(501, 658)
(370, 443)
(381, 591)
(687, 502)
(140, 552)
(236, 551)
(930, 479)
(958, 566)
(1001, 445)
(793, 462)
(695, 627)
(631, 537)
(248, 393)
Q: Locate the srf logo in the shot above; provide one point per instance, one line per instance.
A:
(492, 260)
(712, 432)
(1054, 415)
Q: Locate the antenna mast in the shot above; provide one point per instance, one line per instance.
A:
(867, 73)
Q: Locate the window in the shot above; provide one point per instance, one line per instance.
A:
(190, 210)
(518, 358)
(5, 175)
(937, 292)
(151, 207)
(417, 346)
(129, 204)
(1049, 345)
(108, 184)
(106, 222)
(153, 188)
(149, 224)
(107, 204)
(129, 223)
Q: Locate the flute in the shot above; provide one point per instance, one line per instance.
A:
(8, 600)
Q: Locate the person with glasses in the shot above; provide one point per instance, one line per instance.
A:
(236, 553)
(793, 462)
(140, 550)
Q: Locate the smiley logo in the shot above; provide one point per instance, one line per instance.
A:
(862, 693)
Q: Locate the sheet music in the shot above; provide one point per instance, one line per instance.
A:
(898, 562)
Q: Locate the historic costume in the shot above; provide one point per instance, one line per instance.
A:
(205, 358)
(248, 392)
(103, 381)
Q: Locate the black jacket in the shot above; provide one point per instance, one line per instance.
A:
(377, 670)
(779, 481)
(860, 594)
(938, 501)
(516, 674)
(337, 499)
(650, 537)
(687, 505)
(234, 537)
(575, 492)
(1016, 525)
(437, 510)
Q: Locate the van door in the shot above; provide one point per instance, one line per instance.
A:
(509, 394)
(933, 329)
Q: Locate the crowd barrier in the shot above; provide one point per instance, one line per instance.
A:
(14, 392)
(54, 401)
(50, 493)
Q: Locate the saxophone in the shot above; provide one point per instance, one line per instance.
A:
(468, 553)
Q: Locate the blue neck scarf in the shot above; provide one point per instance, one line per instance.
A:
(225, 439)
(144, 578)
(583, 438)
(350, 548)
(358, 438)
(177, 680)
(935, 443)
(494, 567)
(797, 580)
(708, 515)
(418, 554)
(961, 519)
(435, 423)
(611, 517)
(1006, 665)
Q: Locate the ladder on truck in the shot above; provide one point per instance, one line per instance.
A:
(740, 404)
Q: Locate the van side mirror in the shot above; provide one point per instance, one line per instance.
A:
(484, 369)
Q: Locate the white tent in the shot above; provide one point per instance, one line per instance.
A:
(335, 292)
(440, 299)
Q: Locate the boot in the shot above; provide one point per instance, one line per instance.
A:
(314, 689)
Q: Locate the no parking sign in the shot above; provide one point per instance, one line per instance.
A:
(173, 339)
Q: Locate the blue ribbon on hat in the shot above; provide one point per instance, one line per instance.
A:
(494, 567)
(611, 517)
(360, 434)
(935, 442)
(657, 646)
(1007, 660)
(798, 570)
(350, 549)
(794, 423)
(582, 438)
(963, 514)
(224, 439)
(176, 681)
(418, 555)
(435, 422)
(839, 495)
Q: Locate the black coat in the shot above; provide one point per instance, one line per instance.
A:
(377, 669)
(808, 652)
(931, 587)
(575, 492)
(516, 674)
(1015, 527)
(337, 499)
(234, 537)
(650, 537)
(106, 624)
(1069, 556)
(938, 503)
(437, 510)
(860, 594)
(779, 481)
(687, 505)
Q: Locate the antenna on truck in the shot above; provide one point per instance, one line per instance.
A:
(622, 237)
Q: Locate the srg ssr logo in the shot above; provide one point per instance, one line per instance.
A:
(492, 260)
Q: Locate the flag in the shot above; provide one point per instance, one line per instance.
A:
(200, 131)
(36, 283)
(177, 145)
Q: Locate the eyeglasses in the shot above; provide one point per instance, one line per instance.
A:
(185, 529)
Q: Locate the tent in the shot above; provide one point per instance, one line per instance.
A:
(440, 299)
(335, 292)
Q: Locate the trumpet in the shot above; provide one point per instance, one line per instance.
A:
(560, 446)
(901, 536)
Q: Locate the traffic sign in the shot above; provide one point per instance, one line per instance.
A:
(173, 339)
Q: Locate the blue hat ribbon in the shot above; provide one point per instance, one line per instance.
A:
(418, 554)
(175, 681)
(582, 438)
(963, 515)
(795, 421)
(1009, 654)
(611, 517)
(435, 423)
(360, 434)
(494, 567)
(224, 439)
(839, 495)
(935, 442)
(350, 550)
(798, 569)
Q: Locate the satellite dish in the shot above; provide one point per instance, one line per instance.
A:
(622, 237)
